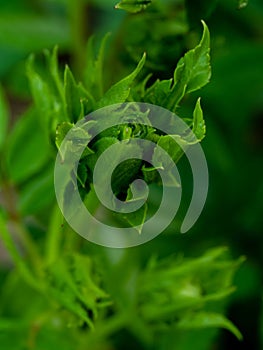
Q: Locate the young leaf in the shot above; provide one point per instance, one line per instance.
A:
(4, 116)
(52, 63)
(207, 320)
(187, 288)
(79, 137)
(61, 131)
(199, 127)
(133, 6)
(137, 219)
(119, 92)
(159, 91)
(138, 196)
(93, 74)
(168, 143)
(78, 101)
(98, 148)
(193, 71)
(50, 107)
(74, 286)
(194, 68)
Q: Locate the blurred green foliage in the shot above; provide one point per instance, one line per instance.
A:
(55, 287)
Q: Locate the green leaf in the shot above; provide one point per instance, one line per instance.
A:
(193, 71)
(137, 218)
(50, 106)
(78, 138)
(158, 92)
(133, 6)
(119, 92)
(61, 131)
(208, 320)
(138, 196)
(171, 290)
(93, 74)
(126, 172)
(4, 117)
(55, 100)
(73, 284)
(136, 193)
(52, 65)
(28, 149)
(98, 148)
(78, 101)
(175, 146)
(199, 128)
(169, 144)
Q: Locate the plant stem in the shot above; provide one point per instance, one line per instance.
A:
(73, 240)
(54, 236)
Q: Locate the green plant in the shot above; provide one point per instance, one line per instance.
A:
(83, 296)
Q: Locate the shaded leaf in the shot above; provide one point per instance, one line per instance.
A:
(159, 91)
